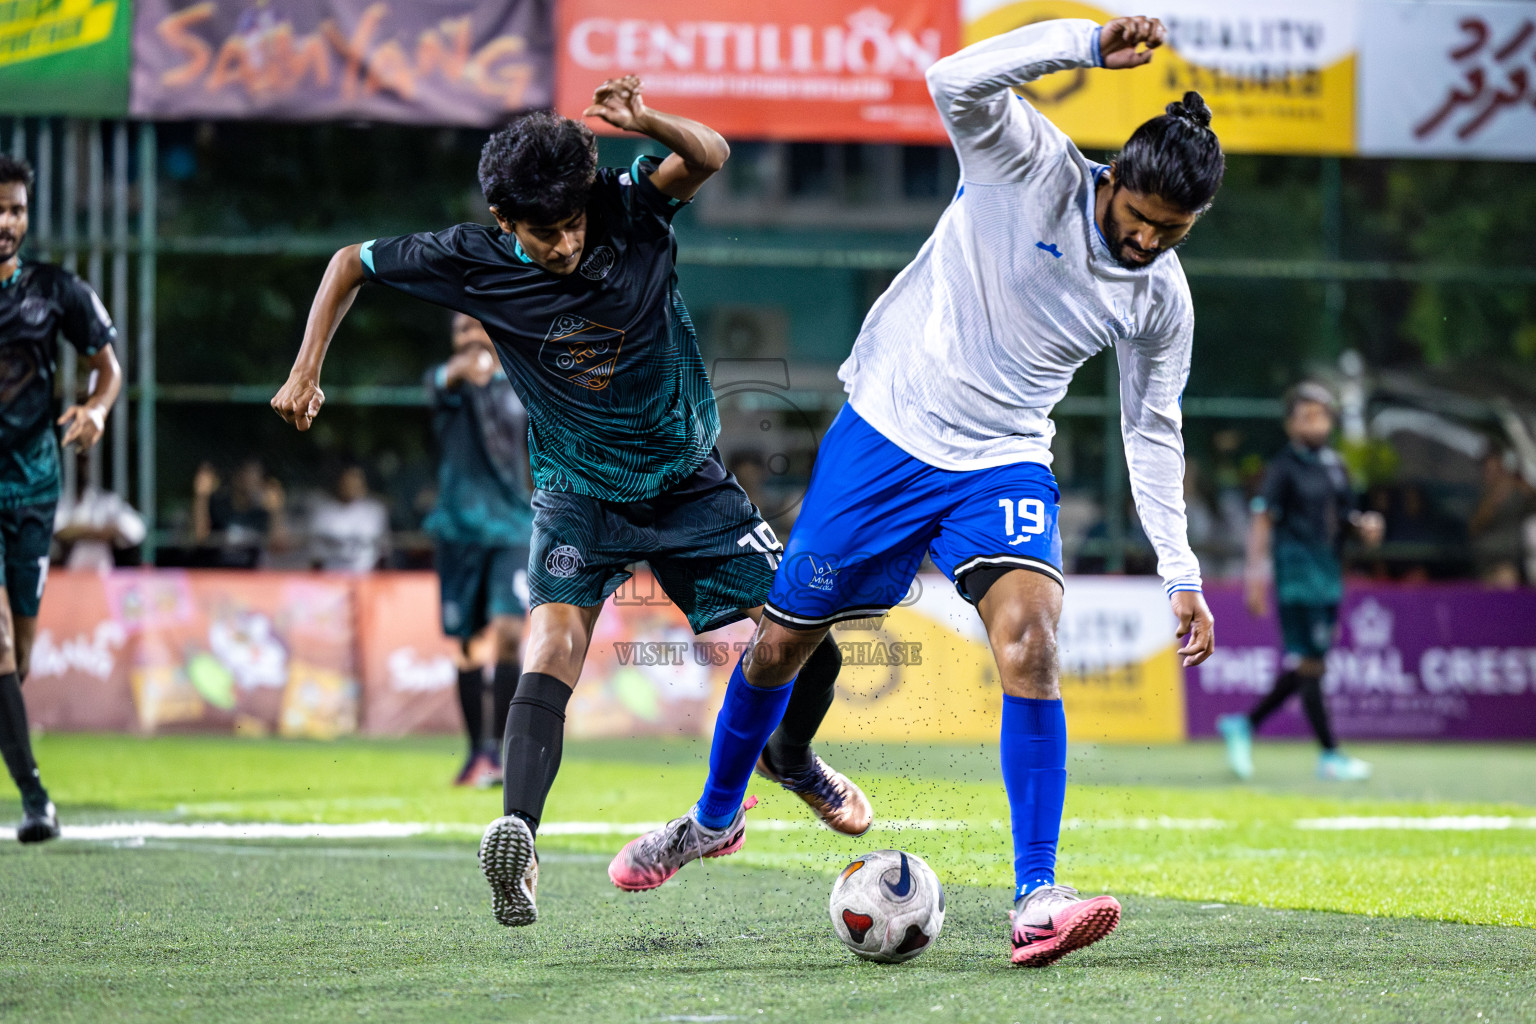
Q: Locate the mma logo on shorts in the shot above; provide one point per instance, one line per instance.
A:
(564, 561)
(823, 576)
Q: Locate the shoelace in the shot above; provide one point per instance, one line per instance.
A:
(816, 780)
(1046, 892)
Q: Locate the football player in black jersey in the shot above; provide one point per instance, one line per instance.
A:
(37, 302)
(576, 284)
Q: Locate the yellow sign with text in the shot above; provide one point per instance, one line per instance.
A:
(925, 673)
(1279, 77)
(30, 29)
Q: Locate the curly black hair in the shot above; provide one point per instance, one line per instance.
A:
(14, 169)
(540, 168)
(1175, 157)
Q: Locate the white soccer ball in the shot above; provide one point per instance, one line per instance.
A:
(887, 906)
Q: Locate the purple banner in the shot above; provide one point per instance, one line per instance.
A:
(466, 62)
(1432, 662)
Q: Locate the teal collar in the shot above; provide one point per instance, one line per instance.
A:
(16, 276)
(517, 248)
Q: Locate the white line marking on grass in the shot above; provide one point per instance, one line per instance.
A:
(121, 830)
(1443, 823)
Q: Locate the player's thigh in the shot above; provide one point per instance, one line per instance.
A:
(576, 555)
(869, 514)
(1021, 610)
(1307, 630)
(25, 536)
(1003, 518)
(462, 575)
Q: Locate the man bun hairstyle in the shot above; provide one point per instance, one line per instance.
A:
(14, 169)
(539, 169)
(1175, 157)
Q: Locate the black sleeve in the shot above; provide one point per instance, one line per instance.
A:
(647, 205)
(1274, 490)
(428, 265)
(86, 322)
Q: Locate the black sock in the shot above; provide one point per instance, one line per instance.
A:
(503, 688)
(1287, 684)
(472, 703)
(1316, 711)
(789, 748)
(16, 743)
(531, 749)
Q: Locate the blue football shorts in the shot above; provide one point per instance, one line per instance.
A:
(873, 510)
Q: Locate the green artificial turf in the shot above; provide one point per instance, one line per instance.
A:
(1233, 911)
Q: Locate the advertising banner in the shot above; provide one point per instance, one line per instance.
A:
(157, 650)
(821, 70)
(1449, 80)
(1279, 75)
(1443, 662)
(65, 57)
(464, 62)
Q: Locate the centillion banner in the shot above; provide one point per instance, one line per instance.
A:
(1279, 77)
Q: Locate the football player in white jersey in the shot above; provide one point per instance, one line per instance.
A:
(1043, 259)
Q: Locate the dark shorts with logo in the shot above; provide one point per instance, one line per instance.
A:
(25, 534)
(476, 583)
(1306, 630)
(704, 540)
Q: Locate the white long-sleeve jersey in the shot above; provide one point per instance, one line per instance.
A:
(962, 359)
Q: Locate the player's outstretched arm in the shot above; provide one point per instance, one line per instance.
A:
(299, 400)
(995, 136)
(1256, 571)
(698, 151)
(84, 423)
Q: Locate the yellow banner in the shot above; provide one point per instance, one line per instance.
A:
(925, 674)
(30, 29)
(1279, 76)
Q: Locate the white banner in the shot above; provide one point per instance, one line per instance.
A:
(1443, 79)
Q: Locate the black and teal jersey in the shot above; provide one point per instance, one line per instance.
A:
(605, 359)
(37, 303)
(1308, 498)
(482, 469)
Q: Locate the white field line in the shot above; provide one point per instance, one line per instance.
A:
(234, 831)
(1444, 823)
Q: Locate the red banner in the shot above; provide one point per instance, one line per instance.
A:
(821, 70)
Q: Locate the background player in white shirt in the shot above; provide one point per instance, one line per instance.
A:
(1042, 260)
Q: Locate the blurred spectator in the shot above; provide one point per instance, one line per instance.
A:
(235, 525)
(1497, 527)
(348, 528)
(98, 530)
(1427, 541)
(1140, 559)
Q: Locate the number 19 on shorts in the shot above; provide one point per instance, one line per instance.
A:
(1027, 514)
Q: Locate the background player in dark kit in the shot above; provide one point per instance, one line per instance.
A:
(37, 301)
(577, 286)
(1300, 520)
(481, 523)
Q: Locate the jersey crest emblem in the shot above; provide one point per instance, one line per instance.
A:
(581, 351)
(596, 266)
(34, 309)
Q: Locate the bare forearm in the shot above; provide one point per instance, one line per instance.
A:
(109, 380)
(202, 522)
(1259, 530)
(700, 147)
(343, 277)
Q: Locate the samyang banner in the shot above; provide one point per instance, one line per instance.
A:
(452, 62)
(1279, 75)
(820, 70)
(1449, 80)
(65, 57)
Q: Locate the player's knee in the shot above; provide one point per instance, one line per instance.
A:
(1312, 668)
(509, 638)
(1027, 663)
(778, 654)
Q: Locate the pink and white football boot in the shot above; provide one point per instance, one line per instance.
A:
(1053, 920)
(650, 860)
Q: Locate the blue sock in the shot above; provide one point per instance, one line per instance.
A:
(1034, 749)
(748, 717)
